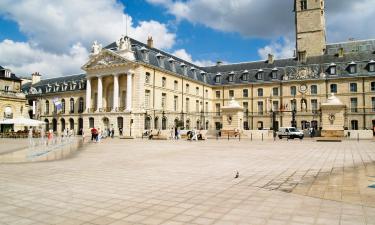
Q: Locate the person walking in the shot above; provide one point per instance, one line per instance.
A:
(112, 133)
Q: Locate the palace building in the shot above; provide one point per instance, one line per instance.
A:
(134, 86)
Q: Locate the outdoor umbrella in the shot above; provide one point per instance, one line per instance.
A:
(23, 122)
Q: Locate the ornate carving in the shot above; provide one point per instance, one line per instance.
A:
(331, 118)
(302, 73)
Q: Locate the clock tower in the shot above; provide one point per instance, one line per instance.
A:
(310, 28)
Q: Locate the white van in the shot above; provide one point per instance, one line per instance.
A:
(289, 132)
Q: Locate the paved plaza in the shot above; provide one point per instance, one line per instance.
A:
(179, 182)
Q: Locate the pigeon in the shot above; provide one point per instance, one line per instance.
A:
(237, 175)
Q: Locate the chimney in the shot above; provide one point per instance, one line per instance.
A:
(150, 42)
(271, 59)
(340, 54)
(35, 78)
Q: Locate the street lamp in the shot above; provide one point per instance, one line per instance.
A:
(294, 112)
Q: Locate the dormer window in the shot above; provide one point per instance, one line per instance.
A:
(218, 78)
(203, 74)
(260, 74)
(274, 73)
(192, 69)
(371, 66)
(8, 74)
(144, 51)
(183, 67)
(245, 75)
(160, 60)
(231, 77)
(352, 68)
(332, 69)
(173, 67)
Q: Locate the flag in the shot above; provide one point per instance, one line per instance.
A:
(57, 103)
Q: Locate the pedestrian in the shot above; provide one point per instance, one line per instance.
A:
(112, 133)
(120, 130)
(172, 133)
(176, 133)
(83, 135)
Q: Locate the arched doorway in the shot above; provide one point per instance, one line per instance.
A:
(62, 121)
(164, 123)
(71, 124)
(147, 123)
(120, 123)
(80, 126)
(91, 122)
(156, 123)
(54, 125)
(47, 124)
(105, 123)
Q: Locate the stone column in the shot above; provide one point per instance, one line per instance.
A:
(100, 93)
(88, 94)
(129, 91)
(115, 92)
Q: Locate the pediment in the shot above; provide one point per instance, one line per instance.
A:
(105, 59)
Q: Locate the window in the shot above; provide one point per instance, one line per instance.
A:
(260, 92)
(175, 85)
(91, 122)
(231, 93)
(71, 105)
(333, 88)
(260, 107)
(352, 68)
(187, 88)
(245, 76)
(314, 105)
(275, 105)
(259, 75)
(163, 100)
(274, 74)
(275, 91)
(353, 87)
(148, 78)
(302, 56)
(314, 89)
(187, 105)
(80, 105)
(303, 5)
(217, 109)
(217, 93)
(245, 93)
(293, 90)
(175, 103)
(245, 106)
(231, 77)
(196, 106)
(47, 107)
(217, 79)
(206, 93)
(353, 105)
(7, 74)
(371, 67)
(6, 88)
(163, 82)
(197, 90)
(332, 70)
(372, 86)
(373, 104)
(354, 124)
(147, 98)
(63, 106)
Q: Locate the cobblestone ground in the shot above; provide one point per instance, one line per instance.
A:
(167, 182)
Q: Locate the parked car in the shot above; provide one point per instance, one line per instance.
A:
(290, 132)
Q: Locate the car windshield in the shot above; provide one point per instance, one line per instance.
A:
(293, 130)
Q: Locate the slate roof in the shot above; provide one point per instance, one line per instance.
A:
(54, 85)
(12, 75)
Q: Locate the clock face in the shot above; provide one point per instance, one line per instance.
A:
(303, 88)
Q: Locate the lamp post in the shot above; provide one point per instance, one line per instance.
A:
(294, 112)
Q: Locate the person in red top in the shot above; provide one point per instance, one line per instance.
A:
(93, 134)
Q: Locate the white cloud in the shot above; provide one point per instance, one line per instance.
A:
(280, 49)
(183, 54)
(57, 27)
(23, 59)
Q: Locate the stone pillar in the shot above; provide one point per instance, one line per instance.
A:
(115, 92)
(100, 93)
(129, 91)
(88, 94)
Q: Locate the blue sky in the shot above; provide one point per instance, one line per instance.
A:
(54, 37)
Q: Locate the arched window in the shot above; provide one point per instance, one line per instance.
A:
(91, 122)
(80, 105)
(63, 106)
(293, 90)
(71, 123)
(54, 125)
(164, 123)
(120, 122)
(71, 105)
(47, 124)
(156, 123)
(147, 123)
(62, 121)
(314, 90)
(47, 107)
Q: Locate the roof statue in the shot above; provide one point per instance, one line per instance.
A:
(123, 44)
(95, 48)
(333, 100)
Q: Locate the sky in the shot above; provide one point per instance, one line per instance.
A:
(54, 37)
